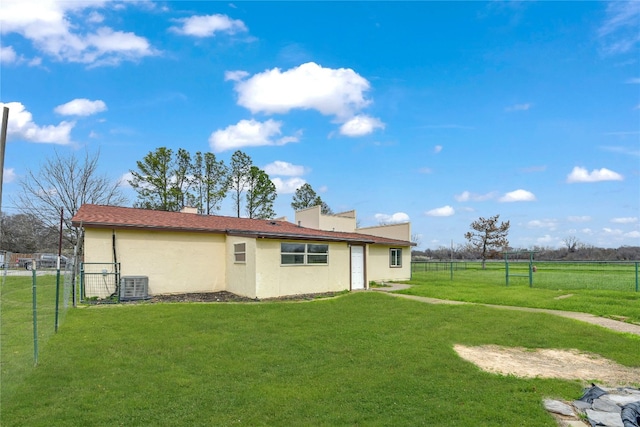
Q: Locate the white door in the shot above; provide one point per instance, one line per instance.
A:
(357, 267)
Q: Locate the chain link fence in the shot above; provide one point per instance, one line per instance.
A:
(99, 282)
(604, 275)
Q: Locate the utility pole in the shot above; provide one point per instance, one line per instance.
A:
(3, 143)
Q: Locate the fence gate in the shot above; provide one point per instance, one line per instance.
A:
(99, 282)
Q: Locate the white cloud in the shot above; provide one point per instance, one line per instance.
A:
(579, 174)
(518, 107)
(9, 175)
(626, 220)
(518, 196)
(22, 126)
(392, 219)
(425, 170)
(633, 234)
(288, 186)
(81, 107)
(208, 25)
(612, 231)
(7, 55)
(443, 211)
(361, 125)
(95, 18)
(437, 149)
(467, 196)
(235, 76)
(619, 32)
(629, 151)
(551, 224)
(124, 179)
(635, 80)
(284, 169)
(51, 28)
(546, 240)
(583, 218)
(332, 92)
(249, 133)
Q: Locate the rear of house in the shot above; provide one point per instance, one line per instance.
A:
(187, 252)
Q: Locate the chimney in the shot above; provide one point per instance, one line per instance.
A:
(189, 209)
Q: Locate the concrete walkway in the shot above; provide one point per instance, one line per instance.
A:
(614, 325)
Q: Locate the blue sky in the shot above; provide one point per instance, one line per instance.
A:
(432, 112)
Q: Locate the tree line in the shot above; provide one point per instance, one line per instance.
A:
(488, 239)
(164, 179)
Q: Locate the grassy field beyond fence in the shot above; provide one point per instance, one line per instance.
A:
(602, 275)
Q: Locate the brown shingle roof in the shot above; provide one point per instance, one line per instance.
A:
(100, 216)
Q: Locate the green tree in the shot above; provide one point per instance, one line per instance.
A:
(488, 235)
(239, 171)
(305, 197)
(153, 183)
(210, 182)
(261, 194)
(182, 179)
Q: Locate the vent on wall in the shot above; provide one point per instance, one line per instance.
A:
(134, 288)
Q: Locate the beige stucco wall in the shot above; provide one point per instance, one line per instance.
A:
(400, 231)
(241, 277)
(378, 268)
(274, 279)
(313, 218)
(175, 262)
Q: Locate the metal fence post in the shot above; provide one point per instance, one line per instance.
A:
(35, 317)
(506, 267)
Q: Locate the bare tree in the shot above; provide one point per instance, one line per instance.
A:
(67, 183)
(571, 242)
(488, 235)
(417, 239)
(24, 233)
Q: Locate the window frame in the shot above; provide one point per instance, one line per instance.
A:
(306, 254)
(395, 257)
(242, 252)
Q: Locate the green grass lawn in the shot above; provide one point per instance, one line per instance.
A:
(16, 322)
(360, 359)
(475, 285)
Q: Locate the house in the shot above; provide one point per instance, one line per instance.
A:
(182, 252)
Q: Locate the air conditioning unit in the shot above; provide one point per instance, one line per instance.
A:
(134, 288)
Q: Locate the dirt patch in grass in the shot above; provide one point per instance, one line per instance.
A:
(550, 363)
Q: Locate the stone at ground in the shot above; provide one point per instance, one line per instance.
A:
(608, 419)
(602, 407)
(558, 407)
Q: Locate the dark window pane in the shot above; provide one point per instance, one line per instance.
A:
(318, 249)
(292, 259)
(317, 259)
(292, 247)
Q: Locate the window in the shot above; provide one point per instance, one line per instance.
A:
(395, 257)
(240, 252)
(301, 253)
